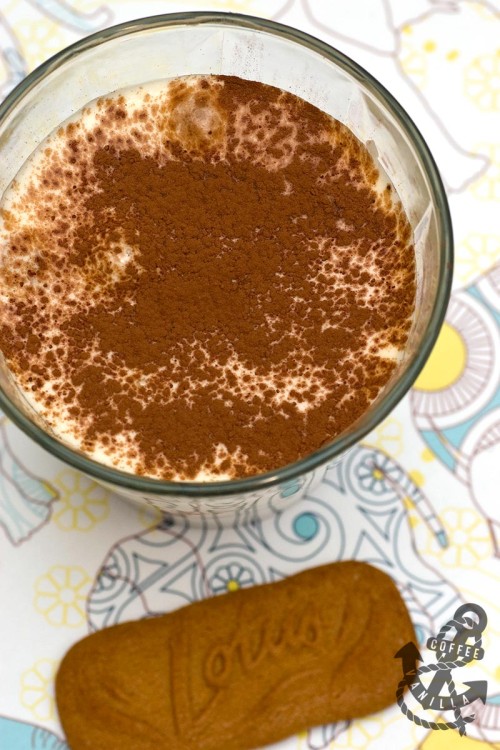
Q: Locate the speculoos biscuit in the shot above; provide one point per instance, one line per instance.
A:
(242, 670)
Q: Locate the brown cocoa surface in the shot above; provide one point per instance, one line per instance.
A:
(266, 274)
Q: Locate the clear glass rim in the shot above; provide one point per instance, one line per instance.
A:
(384, 407)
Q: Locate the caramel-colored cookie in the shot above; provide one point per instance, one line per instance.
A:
(239, 671)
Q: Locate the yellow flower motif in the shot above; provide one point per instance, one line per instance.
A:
(60, 595)
(149, 517)
(231, 577)
(360, 734)
(301, 740)
(448, 740)
(477, 254)
(468, 538)
(40, 39)
(413, 62)
(482, 81)
(388, 436)
(417, 477)
(37, 689)
(427, 455)
(488, 187)
(83, 503)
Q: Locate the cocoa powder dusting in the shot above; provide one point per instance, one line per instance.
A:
(203, 281)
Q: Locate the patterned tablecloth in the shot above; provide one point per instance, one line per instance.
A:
(420, 498)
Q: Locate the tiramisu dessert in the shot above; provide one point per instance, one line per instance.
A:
(202, 279)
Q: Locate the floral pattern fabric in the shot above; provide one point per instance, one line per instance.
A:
(419, 498)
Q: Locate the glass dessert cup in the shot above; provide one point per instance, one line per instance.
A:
(168, 46)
